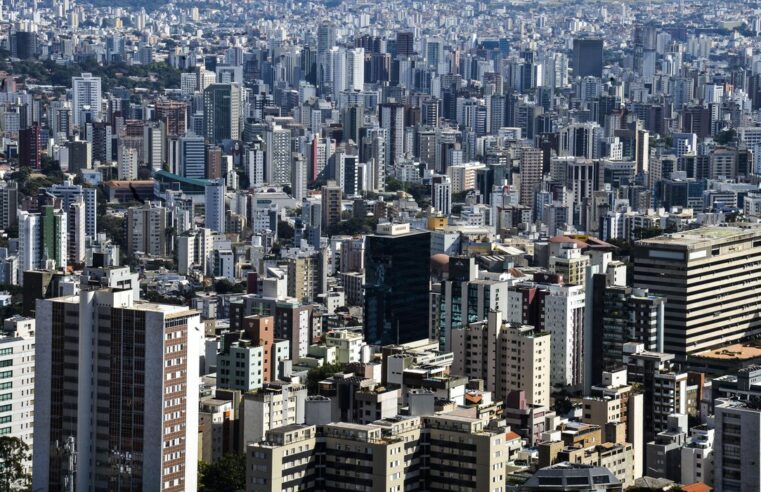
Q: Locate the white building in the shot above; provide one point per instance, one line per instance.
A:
(88, 346)
(17, 380)
(86, 97)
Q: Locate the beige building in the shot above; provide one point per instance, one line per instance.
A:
(146, 230)
(710, 277)
(386, 455)
(507, 356)
(285, 461)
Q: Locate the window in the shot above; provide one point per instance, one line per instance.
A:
(5, 386)
(6, 374)
(6, 351)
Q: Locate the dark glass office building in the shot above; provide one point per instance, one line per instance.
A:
(397, 278)
(587, 57)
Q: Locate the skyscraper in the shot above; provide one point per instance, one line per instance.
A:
(214, 194)
(397, 278)
(221, 104)
(43, 237)
(708, 278)
(86, 97)
(587, 57)
(29, 147)
(120, 380)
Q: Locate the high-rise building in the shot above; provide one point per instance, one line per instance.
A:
(194, 248)
(531, 172)
(146, 230)
(331, 205)
(278, 154)
(192, 156)
(17, 377)
(120, 382)
(174, 116)
(86, 99)
(392, 120)
(68, 193)
(214, 193)
(736, 458)
(222, 112)
(43, 237)
(506, 356)
(461, 299)
(29, 147)
(587, 57)
(558, 309)
(8, 204)
(405, 43)
(707, 277)
(397, 277)
(75, 222)
(441, 194)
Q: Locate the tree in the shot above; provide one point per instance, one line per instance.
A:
(725, 136)
(228, 474)
(317, 374)
(13, 453)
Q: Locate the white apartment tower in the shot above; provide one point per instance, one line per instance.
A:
(119, 377)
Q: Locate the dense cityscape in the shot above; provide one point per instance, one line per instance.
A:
(319, 245)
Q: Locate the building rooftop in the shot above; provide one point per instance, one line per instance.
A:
(738, 351)
(701, 236)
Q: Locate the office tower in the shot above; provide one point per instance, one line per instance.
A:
(326, 37)
(17, 376)
(405, 43)
(531, 172)
(8, 204)
(278, 164)
(461, 299)
(581, 140)
(506, 356)
(146, 230)
(127, 163)
(192, 156)
(86, 98)
(396, 284)
(125, 391)
(23, 44)
(174, 116)
(441, 194)
(587, 57)
(29, 147)
(222, 111)
(339, 75)
(355, 69)
(331, 205)
(548, 305)
(717, 267)
(43, 237)
(80, 156)
(735, 453)
(214, 194)
(353, 122)
(392, 120)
